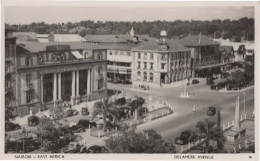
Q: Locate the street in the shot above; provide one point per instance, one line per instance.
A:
(184, 118)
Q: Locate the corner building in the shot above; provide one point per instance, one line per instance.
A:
(48, 74)
(164, 61)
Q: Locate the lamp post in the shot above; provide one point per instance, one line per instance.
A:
(244, 102)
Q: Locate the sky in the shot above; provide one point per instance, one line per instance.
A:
(56, 14)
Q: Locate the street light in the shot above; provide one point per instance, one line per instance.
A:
(244, 102)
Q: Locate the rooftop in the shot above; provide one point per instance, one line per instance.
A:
(197, 40)
(35, 47)
(115, 46)
(174, 45)
(227, 49)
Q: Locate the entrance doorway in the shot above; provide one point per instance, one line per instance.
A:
(162, 78)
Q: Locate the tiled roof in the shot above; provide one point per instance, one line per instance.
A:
(173, 45)
(197, 40)
(105, 39)
(68, 37)
(35, 47)
(122, 46)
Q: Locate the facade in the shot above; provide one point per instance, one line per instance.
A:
(227, 55)
(205, 54)
(119, 61)
(163, 61)
(10, 69)
(47, 74)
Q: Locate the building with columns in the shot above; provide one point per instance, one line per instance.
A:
(48, 74)
(163, 61)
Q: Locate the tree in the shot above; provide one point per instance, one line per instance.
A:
(237, 77)
(9, 115)
(106, 108)
(47, 133)
(214, 136)
(128, 141)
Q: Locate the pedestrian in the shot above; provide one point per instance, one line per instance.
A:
(70, 106)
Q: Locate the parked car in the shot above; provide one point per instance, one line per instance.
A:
(195, 81)
(126, 81)
(71, 112)
(84, 123)
(97, 149)
(9, 126)
(84, 111)
(211, 111)
(120, 101)
(224, 75)
(33, 120)
(76, 128)
(74, 147)
(186, 137)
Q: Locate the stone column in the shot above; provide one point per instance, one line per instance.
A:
(59, 86)
(73, 87)
(77, 83)
(54, 87)
(237, 114)
(88, 82)
(42, 88)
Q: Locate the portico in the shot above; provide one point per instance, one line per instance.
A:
(65, 86)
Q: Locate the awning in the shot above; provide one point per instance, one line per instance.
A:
(77, 55)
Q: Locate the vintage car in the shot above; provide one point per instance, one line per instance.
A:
(195, 81)
(84, 111)
(211, 111)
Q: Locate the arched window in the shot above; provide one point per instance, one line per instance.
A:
(40, 59)
(62, 57)
(145, 76)
(54, 57)
(151, 77)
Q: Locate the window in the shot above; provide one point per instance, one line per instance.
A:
(138, 65)
(7, 52)
(7, 82)
(7, 99)
(163, 57)
(139, 56)
(145, 76)
(100, 56)
(29, 96)
(54, 57)
(162, 66)
(110, 53)
(139, 73)
(40, 58)
(28, 78)
(151, 77)
(63, 57)
(27, 61)
(151, 56)
(128, 53)
(145, 65)
(151, 66)
(145, 55)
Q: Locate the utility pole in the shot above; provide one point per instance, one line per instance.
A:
(244, 102)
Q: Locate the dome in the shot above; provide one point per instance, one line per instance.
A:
(163, 33)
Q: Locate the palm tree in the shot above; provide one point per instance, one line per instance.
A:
(106, 108)
(214, 136)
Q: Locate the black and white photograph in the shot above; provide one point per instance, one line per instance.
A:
(139, 79)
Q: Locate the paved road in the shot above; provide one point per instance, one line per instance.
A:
(202, 97)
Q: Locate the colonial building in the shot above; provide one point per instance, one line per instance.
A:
(205, 54)
(47, 74)
(119, 61)
(163, 61)
(10, 68)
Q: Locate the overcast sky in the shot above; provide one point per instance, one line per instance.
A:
(26, 15)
